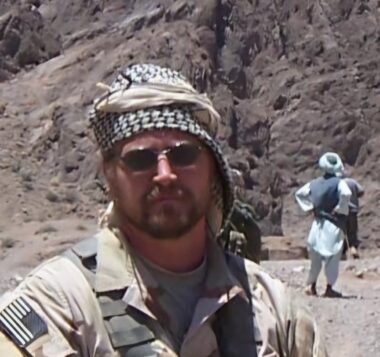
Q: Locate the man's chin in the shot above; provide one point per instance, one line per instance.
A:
(168, 228)
(169, 208)
(168, 232)
(169, 223)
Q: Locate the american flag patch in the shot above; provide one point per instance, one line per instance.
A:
(21, 323)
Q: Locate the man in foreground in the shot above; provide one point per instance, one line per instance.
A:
(154, 281)
(328, 198)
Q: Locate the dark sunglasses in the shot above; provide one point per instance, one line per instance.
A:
(181, 154)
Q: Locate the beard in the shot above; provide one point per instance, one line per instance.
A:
(172, 219)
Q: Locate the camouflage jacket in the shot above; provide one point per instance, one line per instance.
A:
(71, 321)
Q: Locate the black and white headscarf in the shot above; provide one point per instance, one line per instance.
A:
(146, 97)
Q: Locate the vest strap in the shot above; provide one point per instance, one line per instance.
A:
(132, 337)
(112, 308)
(86, 248)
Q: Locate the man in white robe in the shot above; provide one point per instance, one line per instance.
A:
(328, 198)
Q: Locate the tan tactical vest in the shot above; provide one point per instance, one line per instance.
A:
(131, 335)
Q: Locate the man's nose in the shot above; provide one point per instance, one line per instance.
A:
(165, 175)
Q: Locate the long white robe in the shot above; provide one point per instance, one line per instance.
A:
(325, 238)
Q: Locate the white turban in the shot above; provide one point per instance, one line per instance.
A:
(331, 163)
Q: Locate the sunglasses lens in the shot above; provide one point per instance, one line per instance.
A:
(184, 154)
(140, 160)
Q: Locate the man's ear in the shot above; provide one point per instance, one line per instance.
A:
(106, 169)
(109, 172)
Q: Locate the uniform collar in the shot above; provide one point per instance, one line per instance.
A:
(220, 287)
(114, 265)
(116, 270)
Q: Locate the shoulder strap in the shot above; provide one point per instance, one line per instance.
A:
(128, 336)
(83, 255)
(236, 333)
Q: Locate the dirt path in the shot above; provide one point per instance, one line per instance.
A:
(24, 246)
(351, 325)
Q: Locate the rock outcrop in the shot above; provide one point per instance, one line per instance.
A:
(291, 78)
(26, 39)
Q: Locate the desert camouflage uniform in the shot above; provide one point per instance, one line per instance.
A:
(242, 236)
(59, 294)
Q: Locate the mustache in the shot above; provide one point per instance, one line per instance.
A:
(157, 190)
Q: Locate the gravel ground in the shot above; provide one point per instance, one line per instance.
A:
(351, 325)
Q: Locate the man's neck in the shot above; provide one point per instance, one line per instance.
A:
(178, 255)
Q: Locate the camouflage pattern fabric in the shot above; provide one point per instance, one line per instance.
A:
(62, 297)
(243, 235)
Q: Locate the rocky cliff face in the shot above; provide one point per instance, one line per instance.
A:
(292, 79)
(26, 39)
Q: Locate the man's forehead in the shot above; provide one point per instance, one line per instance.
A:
(157, 137)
